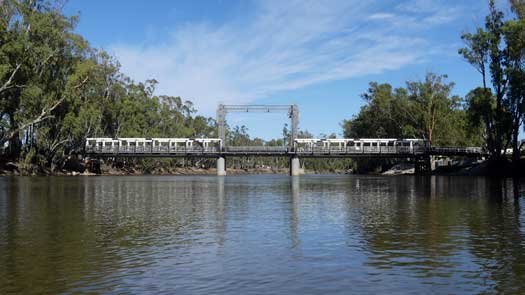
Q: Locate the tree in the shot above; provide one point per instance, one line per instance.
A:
(42, 65)
(501, 44)
(424, 109)
(477, 52)
(55, 90)
(430, 105)
(239, 136)
(383, 115)
(514, 39)
(481, 109)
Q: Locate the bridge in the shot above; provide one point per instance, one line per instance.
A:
(416, 149)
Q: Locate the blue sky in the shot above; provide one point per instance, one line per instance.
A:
(320, 55)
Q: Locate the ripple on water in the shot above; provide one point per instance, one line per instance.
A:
(261, 234)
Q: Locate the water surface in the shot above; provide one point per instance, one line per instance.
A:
(259, 234)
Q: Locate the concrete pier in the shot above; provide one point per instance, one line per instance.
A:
(221, 166)
(295, 167)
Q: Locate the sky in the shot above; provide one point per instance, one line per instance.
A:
(320, 55)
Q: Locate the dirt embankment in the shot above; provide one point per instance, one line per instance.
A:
(15, 169)
(187, 171)
(73, 168)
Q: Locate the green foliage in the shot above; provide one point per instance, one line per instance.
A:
(424, 109)
(55, 90)
(499, 49)
(382, 115)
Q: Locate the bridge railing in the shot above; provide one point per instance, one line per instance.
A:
(361, 150)
(315, 150)
(455, 150)
(257, 149)
(150, 150)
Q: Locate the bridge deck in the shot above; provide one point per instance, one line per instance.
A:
(270, 151)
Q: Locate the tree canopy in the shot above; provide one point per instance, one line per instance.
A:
(423, 109)
(497, 51)
(56, 90)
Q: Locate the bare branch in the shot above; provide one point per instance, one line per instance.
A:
(57, 144)
(44, 115)
(7, 84)
(81, 83)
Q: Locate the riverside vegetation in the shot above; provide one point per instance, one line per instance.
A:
(56, 90)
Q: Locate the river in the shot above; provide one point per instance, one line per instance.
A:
(261, 234)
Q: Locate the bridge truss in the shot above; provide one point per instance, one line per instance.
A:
(416, 149)
(291, 110)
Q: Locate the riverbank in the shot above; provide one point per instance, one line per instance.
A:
(17, 169)
(75, 167)
(467, 168)
(14, 169)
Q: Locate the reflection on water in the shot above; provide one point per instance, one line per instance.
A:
(261, 234)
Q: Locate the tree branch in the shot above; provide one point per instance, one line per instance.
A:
(44, 115)
(7, 84)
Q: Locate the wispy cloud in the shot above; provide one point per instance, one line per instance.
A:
(287, 45)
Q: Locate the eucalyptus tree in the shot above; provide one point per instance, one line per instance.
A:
(514, 39)
(384, 114)
(422, 109)
(429, 104)
(499, 49)
(43, 66)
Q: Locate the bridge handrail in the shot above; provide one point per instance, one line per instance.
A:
(315, 149)
(150, 149)
(361, 150)
(462, 150)
(318, 150)
(257, 149)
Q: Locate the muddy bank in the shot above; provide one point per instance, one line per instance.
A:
(75, 168)
(188, 171)
(17, 169)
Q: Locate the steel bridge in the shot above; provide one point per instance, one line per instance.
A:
(418, 150)
(279, 151)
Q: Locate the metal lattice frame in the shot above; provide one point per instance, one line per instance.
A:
(292, 110)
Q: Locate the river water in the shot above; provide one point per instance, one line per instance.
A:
(261, 234)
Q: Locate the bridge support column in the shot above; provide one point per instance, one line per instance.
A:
(295, 166)
(221, 166)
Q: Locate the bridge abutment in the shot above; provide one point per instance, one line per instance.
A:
(295, 166)
(221, 166)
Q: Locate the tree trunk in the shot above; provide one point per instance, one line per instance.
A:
(15, 147)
